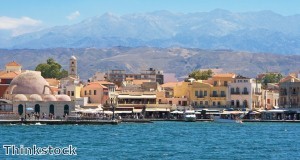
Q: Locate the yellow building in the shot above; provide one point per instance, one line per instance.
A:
(219, 91)
(206, 93)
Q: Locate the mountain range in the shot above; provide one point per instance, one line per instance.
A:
(264, 32)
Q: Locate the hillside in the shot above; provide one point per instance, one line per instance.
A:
(172, 60)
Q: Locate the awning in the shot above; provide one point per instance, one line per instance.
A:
(157, 109)
(137, 110)
(275, 107)
(136, 96)
(123, 112)
(275, 111)
(177, 112)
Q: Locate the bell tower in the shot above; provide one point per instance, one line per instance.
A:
(73, 67)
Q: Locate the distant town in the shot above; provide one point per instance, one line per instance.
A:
(27, 95)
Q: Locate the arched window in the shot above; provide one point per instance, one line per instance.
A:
(237, 103)
(245, 104)
(66, 109)
(245, 90)
(37, 108)
(237, 90)
(232, 102)
(20, 109)
(51, 109)
(232, 90)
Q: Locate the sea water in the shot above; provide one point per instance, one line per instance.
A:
(160, 140)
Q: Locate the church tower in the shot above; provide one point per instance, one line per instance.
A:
(73, 67)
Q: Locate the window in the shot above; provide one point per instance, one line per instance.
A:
(232, 102)
(201, 103)
(206, 102)
(245, 90)
(245, 80)
(201, 94)
(215, 94)
(215, 83)
(196, 93)
(232, 90)
(72, 93)
(219, 103)
(225, 83)
(68, 93)
(214, 103)
(66, 110)
(237, 90)
(51, 109)
(95, 92)
(37, 108)
(84, 92)
(223, 94)
(205, 93)
(268, 101)
(170, 102)
(72, 62)
(179, 102)
(90, 92)
(20, 109)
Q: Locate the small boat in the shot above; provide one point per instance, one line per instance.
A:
(190, 116)
(229, 117)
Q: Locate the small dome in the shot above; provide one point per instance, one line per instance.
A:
(29, 83)
(63, 98)
(50, 98)
(35, 97)
(73, 58)
(20, 97)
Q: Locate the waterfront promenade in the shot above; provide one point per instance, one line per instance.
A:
(115, 122)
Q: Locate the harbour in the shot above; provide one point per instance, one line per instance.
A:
(162, 140)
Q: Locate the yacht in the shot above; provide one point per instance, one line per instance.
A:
(228, 117)
(190, 116)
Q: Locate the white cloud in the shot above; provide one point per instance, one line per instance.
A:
(18, 26)
(13, 23)
(73, 15)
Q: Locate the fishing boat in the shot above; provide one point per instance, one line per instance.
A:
(189, 116)
(229, 117)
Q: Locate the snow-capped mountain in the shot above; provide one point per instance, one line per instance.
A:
(263, 31)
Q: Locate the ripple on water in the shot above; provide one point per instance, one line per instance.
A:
(163, 140)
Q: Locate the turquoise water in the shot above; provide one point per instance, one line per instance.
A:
(161, 140)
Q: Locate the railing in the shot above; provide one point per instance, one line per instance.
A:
(234, 92)
(245, 92)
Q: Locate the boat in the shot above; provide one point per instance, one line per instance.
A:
(229, 117)
(190, 116)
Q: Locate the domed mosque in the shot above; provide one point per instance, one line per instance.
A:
(30, 92)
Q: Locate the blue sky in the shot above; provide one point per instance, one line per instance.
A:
(31, 14)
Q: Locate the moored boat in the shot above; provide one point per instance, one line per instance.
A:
(229, 117)
(189, 116)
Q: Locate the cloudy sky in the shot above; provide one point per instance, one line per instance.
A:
(22, 16)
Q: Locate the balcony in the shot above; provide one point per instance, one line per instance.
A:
(234, 92)
(245, 93)
(214, 95)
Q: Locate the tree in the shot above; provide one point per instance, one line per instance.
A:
(51, 69)
(201, 75)
(271, 78)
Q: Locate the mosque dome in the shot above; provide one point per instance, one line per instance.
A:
(50, 98)
(35, 97)
(20, 97)
(63, 98)
(29, 83)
